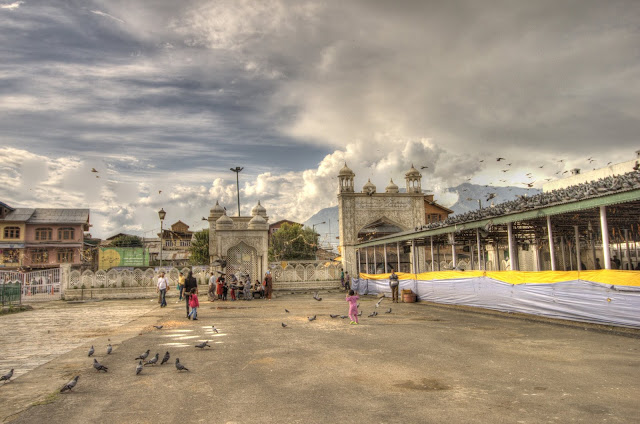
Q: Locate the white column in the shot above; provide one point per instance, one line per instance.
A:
(480, 255)
(366, 259)
(512, 251)
(471, 252)
(385, 259)
(605, 237)
(359, 259)
(413, 257)
(626, 239)
(433, 264)
(454, 258)
(552, 253)
(375, 260)
(577, 237)
(398, 255)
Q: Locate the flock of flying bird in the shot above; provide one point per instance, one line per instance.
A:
(313, 318)
(600, 187)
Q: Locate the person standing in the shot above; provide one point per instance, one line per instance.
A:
(394, 283)
(352, 298)
(347, 281)
(342, 278)
(162, 287)
(268, 284)
(193, 302)
(180, 285)
(219, 289)
(190, 283)
(212, 287)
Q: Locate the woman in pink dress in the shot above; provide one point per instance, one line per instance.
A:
(352, 298)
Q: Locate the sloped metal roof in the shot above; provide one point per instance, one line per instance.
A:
(19, 215)
(60, 216)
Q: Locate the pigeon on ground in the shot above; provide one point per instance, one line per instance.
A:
(334, 316)
(373, 314)
(91, 351)
(98, 366)
(203, 345)
(357, 305)
(165, 359)
(153, 360)
(144, 355)
(389, 311)
(312, 318)
(315, 296)
(7, 376)
(179, 366)
(286, 310)
(284, 325)
(344, 316)
(379, 302)
(159, 327)
(109, 349)
(139, 368)
(70, 385)
(213, 328)
(360, 313)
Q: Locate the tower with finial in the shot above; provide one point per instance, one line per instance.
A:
(345, 178)
(413, 178)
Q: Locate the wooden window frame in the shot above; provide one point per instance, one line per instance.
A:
(48, 232)
(62, 232)
(64, 256)
(11, 233)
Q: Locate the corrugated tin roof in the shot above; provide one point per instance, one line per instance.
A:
(19, 215)
(63, 216)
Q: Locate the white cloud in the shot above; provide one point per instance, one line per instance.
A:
(11, 6)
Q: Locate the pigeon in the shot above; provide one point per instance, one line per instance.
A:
(179, 366)
(158, 326)
(334, 316)
(165, 358)
(357, 305)
(70, 385)
(286, 310)
(98, 366)
(284, 325)
(203, 345)
(499, 159)
(312, 318)
(144, 355)
(389, 311)
(491, 196)
(213, 327)
(379, 302)
(360, 313)
(315, 296)
(139, 368)
(153, 360)
(91, 351)
(94, 170)
(109, 349)
(7, 376)
(344, 316)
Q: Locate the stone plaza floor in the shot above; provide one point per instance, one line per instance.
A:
(420, 363)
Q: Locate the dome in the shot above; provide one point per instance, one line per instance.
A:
(224, 223)
(369, 187)
(217, 210)
(391, 188)
(258, 210)
(413, 172)
(345, 171)
(258, 223)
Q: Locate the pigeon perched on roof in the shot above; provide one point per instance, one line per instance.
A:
(70, 385)
(312, 318)
(144, 355)
(109, 349)
(153, 360)
(98, 366)
(91, 351)
(165, 358)
(159, 327)
(179, 366)
(139, 368)
(203, 345)
(7, 376)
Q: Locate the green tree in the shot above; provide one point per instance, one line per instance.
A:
(200, 248)
(127, 241)
(293, 242)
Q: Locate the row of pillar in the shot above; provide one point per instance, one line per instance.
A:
(513, 257)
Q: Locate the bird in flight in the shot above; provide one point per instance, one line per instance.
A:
(505, 170)
(499, 159)
(94, 170)
(491, 196)
(159, 191)
(424, 167)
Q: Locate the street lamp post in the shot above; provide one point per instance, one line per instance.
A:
(237, 170)
(161, 215)
(313, 227)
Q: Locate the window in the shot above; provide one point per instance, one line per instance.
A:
(10, 256)
(40, 256)
(44, 233)
(65, 255)
(66, 234)
(185, 243)
(433, 217)
(11, 232)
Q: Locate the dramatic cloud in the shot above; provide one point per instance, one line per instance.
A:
(164, 97)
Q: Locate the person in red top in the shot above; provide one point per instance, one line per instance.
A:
(352, 298)
(193, 302)
(219, 284)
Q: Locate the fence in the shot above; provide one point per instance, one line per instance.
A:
(37, 286)
(305, 275)
(10, 293)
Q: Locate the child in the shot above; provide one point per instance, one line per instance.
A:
(194, 304)
(232, 291)
(352, 298)
(225, 288)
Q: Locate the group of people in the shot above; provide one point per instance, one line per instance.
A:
(221, 289)
(187, 290)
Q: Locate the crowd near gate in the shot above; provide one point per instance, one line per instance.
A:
(33, 286)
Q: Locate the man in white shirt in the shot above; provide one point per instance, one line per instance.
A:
(162, 287)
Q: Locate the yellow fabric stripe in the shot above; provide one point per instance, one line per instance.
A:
(604, 276)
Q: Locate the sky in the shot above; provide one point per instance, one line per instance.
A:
(163, 97)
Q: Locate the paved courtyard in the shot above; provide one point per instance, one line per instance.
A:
(420, 363)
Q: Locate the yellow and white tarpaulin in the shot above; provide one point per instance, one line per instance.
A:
(603, 297)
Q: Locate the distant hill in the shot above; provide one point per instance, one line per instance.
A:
(468, 195)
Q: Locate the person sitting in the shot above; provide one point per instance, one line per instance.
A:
(259, 289)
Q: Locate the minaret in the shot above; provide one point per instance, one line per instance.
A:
(413, 177)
